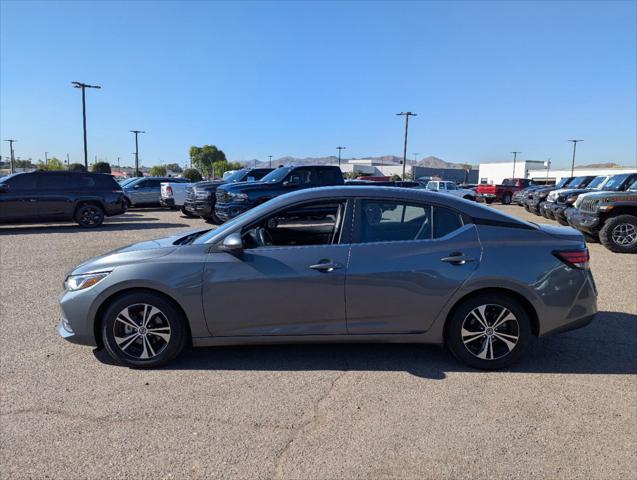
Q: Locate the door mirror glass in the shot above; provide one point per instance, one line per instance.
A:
(233, 243)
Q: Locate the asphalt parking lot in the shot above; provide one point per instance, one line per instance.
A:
(569, 410)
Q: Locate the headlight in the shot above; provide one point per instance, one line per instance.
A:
(202, 195)
(571, 199)
(238, 197)
(81, 282)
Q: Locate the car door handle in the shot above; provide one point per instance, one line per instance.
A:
(326, 266)
(457, 258)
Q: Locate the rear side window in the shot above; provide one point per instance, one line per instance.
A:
(387, 221)
(54, 181)
(105, 182)
(329, 176)
(445, 221)
(25, 181)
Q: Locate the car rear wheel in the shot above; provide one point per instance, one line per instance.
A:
(489, 201)
(89, 215)
(489, 331)
(619, 234)
(213, 219)
(187, 213)
(143, 330)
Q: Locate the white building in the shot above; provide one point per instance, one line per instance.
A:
(555, 176)
(495, 172)
(374, 168)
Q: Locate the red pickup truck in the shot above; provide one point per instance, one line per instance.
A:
(502, 192)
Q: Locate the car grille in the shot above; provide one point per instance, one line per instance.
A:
(587, 205)
(222, 196)
(190, 194)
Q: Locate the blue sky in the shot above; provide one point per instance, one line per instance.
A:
(300, 78)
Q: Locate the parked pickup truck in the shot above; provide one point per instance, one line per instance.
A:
(173, 195)
(200, 197)
(502, 192)
(610, 216)
(235, 198)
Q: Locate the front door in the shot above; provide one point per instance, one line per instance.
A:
(407, 259)
(18, 200)
(53, 199)
(289, 279)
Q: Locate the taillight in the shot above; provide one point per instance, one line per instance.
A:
(574, 258)
(169, 190)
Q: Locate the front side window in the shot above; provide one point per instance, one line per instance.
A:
(432, 186)
(304, 176)
(21, 181)
(53, 181)
(317, 223)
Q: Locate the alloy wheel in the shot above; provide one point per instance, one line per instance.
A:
(141, 331)
(490, 332)
(90, 216)
(624, 234)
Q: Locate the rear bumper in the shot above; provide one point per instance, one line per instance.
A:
(167, 202)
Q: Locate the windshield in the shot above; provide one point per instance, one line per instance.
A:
(616, 182)
(237, 176)
(562, 182)
(276, 175)
(597, 181)
(577, 181)
(126, 181)
(633, 186)
(508, 181)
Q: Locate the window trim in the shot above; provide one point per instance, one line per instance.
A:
(357, 220)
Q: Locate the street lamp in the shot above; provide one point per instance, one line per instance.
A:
(84, 86)
(137, 132)
(574, 147)
(406, 115)
(339, 155)
(515, 156)
(11, 149)
(270, 157)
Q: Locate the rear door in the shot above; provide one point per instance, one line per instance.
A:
(18, 198)
(54, 194)
(407, 259)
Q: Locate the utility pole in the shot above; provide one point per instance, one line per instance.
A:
(574, 147)
(270, 157)
(255, 163)
(118, 163)
(11, 150)
(548, 166)
(84, 86)
(406, 115)
(515, 157)
(137, 132)
(339, 155)
(67, 161)
(46, 158)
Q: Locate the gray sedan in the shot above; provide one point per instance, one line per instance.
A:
(338, 264)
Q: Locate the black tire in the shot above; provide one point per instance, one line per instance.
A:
(132, 354)
(462, 317)
(489, 201)
(469, 197)
(89, 215)
(590, 238)
(619, 234)
(213, 219)
(506, 200)
(545, 213)
(127, 203)
(187, 213)
(561, 221)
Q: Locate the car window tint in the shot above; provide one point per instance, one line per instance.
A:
(22, 182)
(445, 221)
(153, 183)
(54, 181)
(105, 182)
(258, 174)
(304, 175)
(312, 224)
(386, 221)
(329, 176)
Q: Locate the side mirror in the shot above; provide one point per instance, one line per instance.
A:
(233, 243)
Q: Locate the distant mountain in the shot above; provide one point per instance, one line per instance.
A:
(430, 161)
(601, 165)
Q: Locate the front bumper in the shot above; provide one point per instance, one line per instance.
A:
(75, 325)
(202, 209)
(229, 211)
(584, 222)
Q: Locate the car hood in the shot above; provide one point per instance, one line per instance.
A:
(137, 252)
(246, 186)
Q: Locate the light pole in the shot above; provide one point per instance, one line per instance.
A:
(270, 157)
(548, 166)
(84, 86)
(339, 155)
(11, 150)
(67, 161)
(515, 157)
(137, 132)
(46, 158)
(574, 147)
(406, 115)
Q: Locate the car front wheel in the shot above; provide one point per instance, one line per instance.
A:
(619, 234)
(489, 331)
(143, 330)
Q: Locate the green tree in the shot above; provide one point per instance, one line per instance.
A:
(207, 159)
(101, 167)
(192, 175)
(22, 163)
(158, 171)
(77, 167)
(53, 164)
(174, 167)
